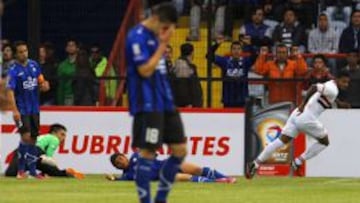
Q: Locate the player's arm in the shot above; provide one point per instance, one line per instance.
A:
(43, 84)
(148, 68)
(312, 90)
(11, 85)
(218, 60)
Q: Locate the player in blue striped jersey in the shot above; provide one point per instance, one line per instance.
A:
(156, 120)
(24, 82)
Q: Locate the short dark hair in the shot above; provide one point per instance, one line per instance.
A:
(166, 12)
(113, 159)
(292, 10)
(71, 39)
(343, 73)
(6, 46)
(17, 44)
(235, 43)
(320, 56)
(354, 11)
(281, 45)
(186, 49)
(56, 127)
(322, 14)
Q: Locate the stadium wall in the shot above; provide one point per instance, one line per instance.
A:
(340, 159)
(215, 137)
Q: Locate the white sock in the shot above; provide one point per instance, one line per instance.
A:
(269, 149)
(313, 150)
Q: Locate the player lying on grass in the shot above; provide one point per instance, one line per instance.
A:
(46, 147)
(187, 172)
(305, 119)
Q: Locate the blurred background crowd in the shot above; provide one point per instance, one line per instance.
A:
(223, 52)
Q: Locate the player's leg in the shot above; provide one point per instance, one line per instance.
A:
(185, 177)
(316, 130)
(33, 151)
(54, 171)
(25, 140)
(195, 170)
(147, 136)
(175, 137)
(289, 131)
(12, 168)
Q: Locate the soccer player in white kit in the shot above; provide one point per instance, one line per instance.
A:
(305, 119)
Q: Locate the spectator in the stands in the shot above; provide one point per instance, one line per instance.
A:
(234, 71)
(269, 15)
(98, 63)
(319, 73)
(8, 59)
(168, 59)
(237, 9)
(290, 31)
(281, 67)
(353, 91)
(350, 37)
(324, 40)
(65, 73)
(186, 86)
(306, 11)
(197, 6)
(256, 30)
(49, 67)
(84, 81)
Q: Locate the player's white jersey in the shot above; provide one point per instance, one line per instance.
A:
(323, 99)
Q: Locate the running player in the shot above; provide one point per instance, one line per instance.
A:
(156, 120)
(187, 172)
(305, 119)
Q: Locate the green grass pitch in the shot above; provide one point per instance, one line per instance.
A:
(95, 189)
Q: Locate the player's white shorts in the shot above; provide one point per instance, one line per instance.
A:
(304, 122)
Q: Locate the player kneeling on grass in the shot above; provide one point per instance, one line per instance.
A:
(43, 157)
(187, 172)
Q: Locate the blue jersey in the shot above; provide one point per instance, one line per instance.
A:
(129, 173)
(152, 93)
(234, 91)
(24, 82)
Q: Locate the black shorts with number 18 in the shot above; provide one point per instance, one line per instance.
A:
(152, 129)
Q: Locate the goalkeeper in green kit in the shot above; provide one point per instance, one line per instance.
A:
(46, 145)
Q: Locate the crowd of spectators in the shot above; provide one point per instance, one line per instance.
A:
(74, 80)
(276, 33)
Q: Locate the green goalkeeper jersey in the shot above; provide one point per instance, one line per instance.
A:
(48, 144)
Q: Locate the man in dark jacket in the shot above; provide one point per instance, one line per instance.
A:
(289, 31)
(350, 37)
(186, 86)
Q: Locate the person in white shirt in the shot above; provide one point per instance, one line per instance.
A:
(305, 119)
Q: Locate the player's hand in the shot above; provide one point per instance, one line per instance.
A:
(16, 116)
(110, 177)
(165, 34)
(44, 86)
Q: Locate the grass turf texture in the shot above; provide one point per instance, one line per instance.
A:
(95, 189)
